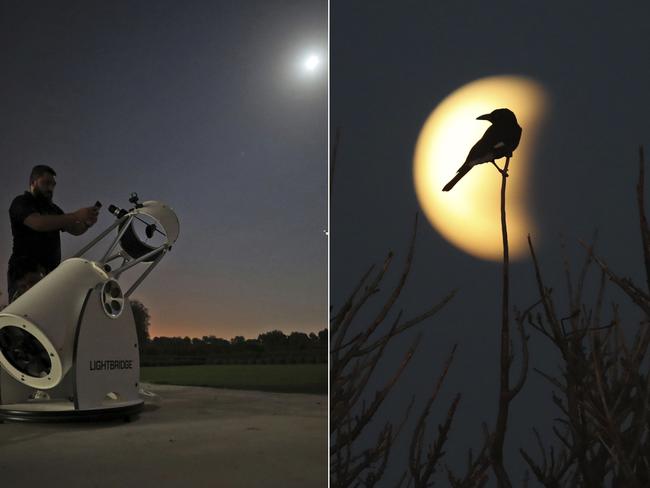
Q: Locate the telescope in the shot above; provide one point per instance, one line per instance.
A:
(68, 345)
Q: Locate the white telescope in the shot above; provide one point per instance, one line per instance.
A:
(69, 346)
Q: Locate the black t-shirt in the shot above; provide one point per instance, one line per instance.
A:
(44, 247)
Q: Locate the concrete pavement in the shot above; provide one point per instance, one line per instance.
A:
(186, 436)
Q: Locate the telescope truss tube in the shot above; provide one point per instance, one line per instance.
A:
(133, 251)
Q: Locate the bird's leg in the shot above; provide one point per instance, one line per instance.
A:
(499, 169)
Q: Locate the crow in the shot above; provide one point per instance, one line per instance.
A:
(499, 140)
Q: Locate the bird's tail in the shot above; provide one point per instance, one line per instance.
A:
(462, 171)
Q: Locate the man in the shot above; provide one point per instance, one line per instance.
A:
(35, 224)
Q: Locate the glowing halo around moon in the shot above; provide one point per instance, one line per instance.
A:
(468, 216)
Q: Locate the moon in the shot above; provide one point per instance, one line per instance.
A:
(309, 64)
(468, 216)
(312, 62)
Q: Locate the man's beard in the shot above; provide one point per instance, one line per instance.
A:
(42, 196)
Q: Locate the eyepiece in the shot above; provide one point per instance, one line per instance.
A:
(118, 212)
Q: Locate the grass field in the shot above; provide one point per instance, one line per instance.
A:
(290, 378)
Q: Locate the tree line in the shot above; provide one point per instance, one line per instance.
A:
(273, 347)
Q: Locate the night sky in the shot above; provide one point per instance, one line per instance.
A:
(391, 64)
(204, 105)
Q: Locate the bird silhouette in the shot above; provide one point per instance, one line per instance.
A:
(499, 141)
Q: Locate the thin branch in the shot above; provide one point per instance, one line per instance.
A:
(505, 395)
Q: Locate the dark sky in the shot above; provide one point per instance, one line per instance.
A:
(392, 63)
(203, 105)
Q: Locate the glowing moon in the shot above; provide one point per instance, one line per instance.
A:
(468, 216)
(312, 63)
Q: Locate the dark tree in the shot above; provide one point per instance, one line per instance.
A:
(142, 321)
(253, 345)
(323, 338)
(298, 341)
(238, 341)
(273, 340)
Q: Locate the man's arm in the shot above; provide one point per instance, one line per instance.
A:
(75, 223)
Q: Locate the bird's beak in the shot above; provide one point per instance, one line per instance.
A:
(484, 117)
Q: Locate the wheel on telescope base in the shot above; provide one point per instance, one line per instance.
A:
(65, 412)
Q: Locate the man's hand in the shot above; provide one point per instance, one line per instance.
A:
(85, 218)
(87, 215)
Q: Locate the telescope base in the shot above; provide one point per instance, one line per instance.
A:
(63, 411)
